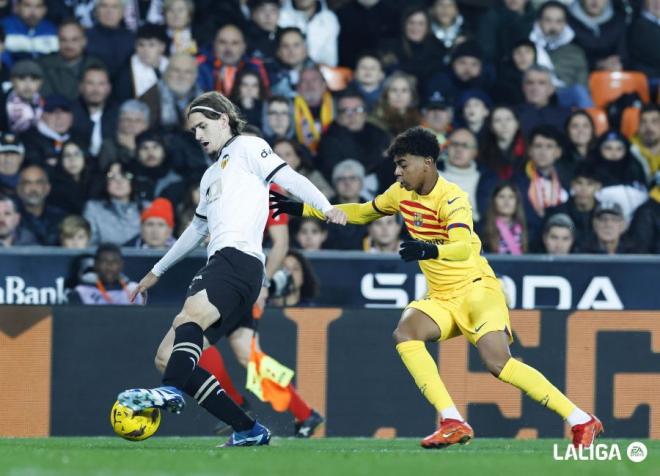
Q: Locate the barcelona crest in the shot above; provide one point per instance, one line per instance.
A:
(417, 219)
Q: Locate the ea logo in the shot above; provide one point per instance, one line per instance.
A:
(636, 451)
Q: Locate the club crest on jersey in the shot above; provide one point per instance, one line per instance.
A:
(417, 219)
(224, 160)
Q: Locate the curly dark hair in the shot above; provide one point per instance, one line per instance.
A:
(310, 285)
(415, 141)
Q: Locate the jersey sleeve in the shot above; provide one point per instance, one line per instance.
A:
(456, 212)
(387, 203)
(260, 158)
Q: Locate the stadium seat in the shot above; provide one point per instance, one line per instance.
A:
(600, 119)
(337, 78)
(630, 121)
(606, 86)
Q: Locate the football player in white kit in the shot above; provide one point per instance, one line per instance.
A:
(233, 209)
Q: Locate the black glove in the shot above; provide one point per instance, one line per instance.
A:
(282, 204)
(418, 250)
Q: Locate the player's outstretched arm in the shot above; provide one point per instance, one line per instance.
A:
(356, 213)
(187, 242)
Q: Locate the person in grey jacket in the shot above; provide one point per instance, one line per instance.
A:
(115, 218)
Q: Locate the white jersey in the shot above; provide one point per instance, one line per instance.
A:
(233, 195)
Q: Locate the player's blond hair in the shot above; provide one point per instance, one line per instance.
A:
(212, 105)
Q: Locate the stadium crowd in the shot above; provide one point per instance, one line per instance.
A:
(94, 148)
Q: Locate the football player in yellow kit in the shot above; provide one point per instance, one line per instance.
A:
(464, 296)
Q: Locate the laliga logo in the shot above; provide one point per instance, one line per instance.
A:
(636, 452)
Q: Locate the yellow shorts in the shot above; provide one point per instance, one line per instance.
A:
(474, 313)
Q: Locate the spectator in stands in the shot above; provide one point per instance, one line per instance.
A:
(299, 160)
(364, 24)
(11, 231)
(384, 235)
(581, 134)
(249, 93)
(44, 140)
(4, 58)
(645, 226)
(12, 155)
(504, 230)
(23, 105)
(185, 210)
(94, 117)
(134, 118)
(219, 71)
(510, 72)
(63, 69)
(290, 59)
(437, 116)
(178, 20)
(157, 225)
(109, 30)
(348, 180)
(461, 166)
(311, 234)
(313, 108)
(368, 79)
(168, 99)
(262, 28)
(466, 72)
(108, 285)
(397, 110)
(643, 35)
(646, 143)
(278, 119)
(475, 107)
(75, 233)
(609, 225)
(558, 235)
(580, 206)
(41, 218)
(115, 217)
(416, 51)
(350, 135)
(153, 175)
(503, 149)
(539, 183)
(305, 287)
(145, 66)
(556, 51)
(448, 27)
(28, 33)
(601, 33)
(318, 23)
(501, 27)
(538, 109)
(71, 179)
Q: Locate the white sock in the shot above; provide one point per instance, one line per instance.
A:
(577, 417)
(451, 412)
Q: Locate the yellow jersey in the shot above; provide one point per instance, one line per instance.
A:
(431, 218)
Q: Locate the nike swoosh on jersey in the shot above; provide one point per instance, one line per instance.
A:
(449, 202)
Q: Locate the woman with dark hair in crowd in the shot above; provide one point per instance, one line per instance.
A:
(115, 216)
(304, 283)
(71, 178)
(580, 133)
(299, 159)
(397, 110)
(615, 162)
(503, 150)
(508, 88)
(249, 93)
(505, 230)
(416, 51)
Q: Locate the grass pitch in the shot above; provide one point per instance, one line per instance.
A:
(316, 457)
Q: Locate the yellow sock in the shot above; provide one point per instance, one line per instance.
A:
(424, 370)
(534, 384)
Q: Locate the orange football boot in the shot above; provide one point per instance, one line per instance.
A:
(449, 433)
(585, 433)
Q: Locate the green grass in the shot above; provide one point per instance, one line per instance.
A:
(290, 457)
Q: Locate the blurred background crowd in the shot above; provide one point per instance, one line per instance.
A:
(547, 113)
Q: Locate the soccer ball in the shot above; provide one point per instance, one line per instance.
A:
(134, 426)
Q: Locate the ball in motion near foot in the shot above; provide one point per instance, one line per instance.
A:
(134, 426)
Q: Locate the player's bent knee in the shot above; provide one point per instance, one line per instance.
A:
(401, 334)
(495, 365)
